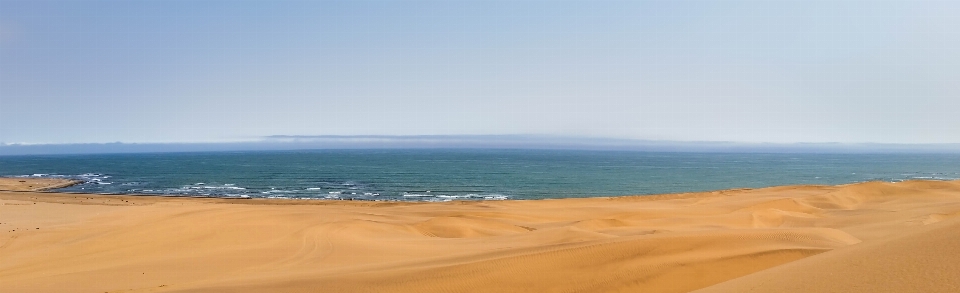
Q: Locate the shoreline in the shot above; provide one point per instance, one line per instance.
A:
(51, 189)
(54, 185)
(36, 184)
(62, 185)
(53, 242)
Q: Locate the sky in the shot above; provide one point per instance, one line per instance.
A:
(680, 70)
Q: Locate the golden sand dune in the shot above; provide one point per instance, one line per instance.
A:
(800, 238)
(925, 260)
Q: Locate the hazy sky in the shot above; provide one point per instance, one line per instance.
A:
(753, 71)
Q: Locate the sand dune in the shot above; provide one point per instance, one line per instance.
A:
(800, 238)
(925, 260)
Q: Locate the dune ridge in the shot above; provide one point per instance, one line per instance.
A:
(721, 241)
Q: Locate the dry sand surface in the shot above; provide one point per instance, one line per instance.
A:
(868, 237)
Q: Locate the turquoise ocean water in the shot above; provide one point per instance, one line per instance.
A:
(439, 175)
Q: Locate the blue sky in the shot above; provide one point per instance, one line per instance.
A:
(746, 71)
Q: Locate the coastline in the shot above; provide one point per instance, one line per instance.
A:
(35, 184)
(61, 185)
(665, 243)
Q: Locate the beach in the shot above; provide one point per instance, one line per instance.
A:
(863, 237)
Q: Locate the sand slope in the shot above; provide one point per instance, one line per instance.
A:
(671, 243)
(926, 260)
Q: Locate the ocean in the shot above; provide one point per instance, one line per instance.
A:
(442, 175)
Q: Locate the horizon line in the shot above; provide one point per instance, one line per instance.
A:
(532, 137)
(511, 141)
